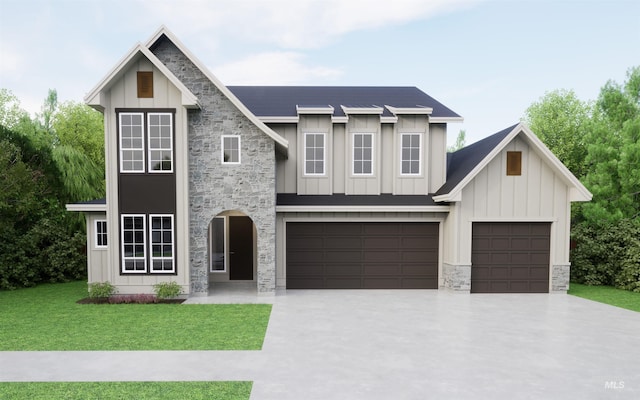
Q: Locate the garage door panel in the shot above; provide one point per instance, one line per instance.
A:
(510, 257)
(363, 255)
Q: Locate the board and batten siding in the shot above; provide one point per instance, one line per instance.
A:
(315, 184)
(411, 184)
(284, 217)
(437, 158)
(122, 94)
(538, 194)
(361, 184)
(98, 270)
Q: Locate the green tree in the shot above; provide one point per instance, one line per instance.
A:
(10, 111)
(613, 157)
(561, 121)
(81, 127)
(460, 141)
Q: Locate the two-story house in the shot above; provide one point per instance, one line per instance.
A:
(313, 187)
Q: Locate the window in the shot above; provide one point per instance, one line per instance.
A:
(514, 163)
(230, 149)
(133, 244)
(314, 153)
(410, 154)
(157, 127)
(145, 84)
(362, 153)
(216, 232)
(161, 228)
(160, 142)
(131, 142)
(101, 233)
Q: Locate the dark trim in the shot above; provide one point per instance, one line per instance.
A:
(340, 199)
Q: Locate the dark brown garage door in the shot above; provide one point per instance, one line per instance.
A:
(510, 257)
(333, 255)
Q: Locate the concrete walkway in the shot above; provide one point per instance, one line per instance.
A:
(383, 344)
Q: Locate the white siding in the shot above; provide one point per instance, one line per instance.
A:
(359, 184)
(537, 195)
(286, 172)
(97, 266)
(411, 184)
(123, 94)
(437, 156)
(315, 184)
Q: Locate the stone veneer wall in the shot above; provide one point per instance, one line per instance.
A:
(560, 275)
(457, 277)
(248, 187)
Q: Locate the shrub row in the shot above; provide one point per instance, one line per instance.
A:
(607, 254)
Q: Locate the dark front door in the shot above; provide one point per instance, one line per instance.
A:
(240, 248)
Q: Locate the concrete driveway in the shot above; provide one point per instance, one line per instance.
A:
(385, 344)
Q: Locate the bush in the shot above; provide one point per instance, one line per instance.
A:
(133, 299)
(167, 290)
(101, 290)
(607, 254)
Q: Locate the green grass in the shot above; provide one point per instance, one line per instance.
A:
(608, 295)
(125, 390)
(47, 318)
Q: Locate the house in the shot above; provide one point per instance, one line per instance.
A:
(313, 187)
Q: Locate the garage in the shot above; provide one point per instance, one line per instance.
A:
(362, 255)
(510, 257)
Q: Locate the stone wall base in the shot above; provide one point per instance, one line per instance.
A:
(457, 277)
(560, 275)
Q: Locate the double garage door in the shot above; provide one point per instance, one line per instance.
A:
(510, 257)
(363, 255)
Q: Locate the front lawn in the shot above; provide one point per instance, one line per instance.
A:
(608, 295)
(47, 318)
(126, 390)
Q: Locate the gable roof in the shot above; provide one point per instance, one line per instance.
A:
(94, 97)
(281, 142)
(271, 102)
(464, 164)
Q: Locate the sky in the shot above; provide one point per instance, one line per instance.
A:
(486, 60)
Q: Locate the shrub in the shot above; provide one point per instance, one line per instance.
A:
(607, 254)
(101, 290)
(167, 290)
(133, 299)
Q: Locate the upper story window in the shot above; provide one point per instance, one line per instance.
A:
(230, 149)
(101, 234)
(131, 142)
(314, 153)
(160, 142)
(362, 153)
(146, 136)
(410, 154)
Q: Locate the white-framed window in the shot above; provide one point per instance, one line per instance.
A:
(101, 233)
(314, 153)
(362, 154)
(162, 243)
(131, 142)
(160, 139)
(230, 149)
(134, 254)
(217, 244)
(410, 147)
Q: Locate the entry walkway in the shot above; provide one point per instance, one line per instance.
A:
(384, 344)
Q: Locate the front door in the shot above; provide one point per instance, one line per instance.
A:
(240, 248)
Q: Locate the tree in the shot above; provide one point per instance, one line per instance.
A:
(48, 110)
(613, 157)
(460, 141)
(10, 111)
(561, 121)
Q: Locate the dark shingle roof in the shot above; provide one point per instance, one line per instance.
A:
(463, 161)
(281, 101)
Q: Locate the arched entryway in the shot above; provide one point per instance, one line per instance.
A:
(232, 248)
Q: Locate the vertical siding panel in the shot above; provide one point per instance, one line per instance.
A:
(507, 190)
(339, 158)
(494, 187)
(521, 192)
(387, 159)
(533, 167)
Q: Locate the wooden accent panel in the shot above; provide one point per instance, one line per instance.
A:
(145, 84)
(514, 163)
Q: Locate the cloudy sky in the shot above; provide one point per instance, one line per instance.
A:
(486, 60)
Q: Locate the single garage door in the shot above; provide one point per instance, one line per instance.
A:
(367, 255)
(510, 257)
